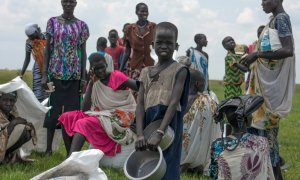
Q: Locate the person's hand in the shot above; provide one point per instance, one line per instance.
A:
(140, 144)
(44, 81)
(19, 120)
(154, 140)
(82, 86)
(188, 52)
(248, 60)
(93, 77)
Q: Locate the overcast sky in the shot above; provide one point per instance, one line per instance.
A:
(215, 18)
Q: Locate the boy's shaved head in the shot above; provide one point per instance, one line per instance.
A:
(102, 41)
(198, 36)
(139, 5)
(225, 40)
(169, 26)
(113, 31)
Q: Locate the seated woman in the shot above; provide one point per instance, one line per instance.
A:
(14, 131)
(199, 129)
(240, 155)
(109, 107)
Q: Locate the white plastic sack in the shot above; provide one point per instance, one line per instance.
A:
(270, 40)
(33, 111)
(274, 39)
(80, 165)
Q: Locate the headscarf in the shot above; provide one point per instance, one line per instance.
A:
(30, 29)
(243, 106)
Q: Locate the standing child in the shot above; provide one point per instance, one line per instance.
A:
(163, 94)
(199, 58)
(116, 51)
(234, 71)
(101, 46)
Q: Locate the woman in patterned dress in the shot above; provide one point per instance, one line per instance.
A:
(65, 63)
(240, 155)
(199, 129)
(273, 77)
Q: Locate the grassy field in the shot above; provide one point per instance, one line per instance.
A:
(288, 137)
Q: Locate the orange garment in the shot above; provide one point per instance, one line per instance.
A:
(140, 44)
(38, 46)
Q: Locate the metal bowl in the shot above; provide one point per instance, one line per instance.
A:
(166, 140)
(147, 164)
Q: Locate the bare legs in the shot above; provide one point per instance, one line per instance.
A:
(25, 137)
(277, 172)
(50, 135)
(77, 143)
(73, 144)
(67, 140)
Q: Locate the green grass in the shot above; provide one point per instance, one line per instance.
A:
(288, 137)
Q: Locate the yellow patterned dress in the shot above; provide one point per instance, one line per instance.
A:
(233, 77)
(199, 131)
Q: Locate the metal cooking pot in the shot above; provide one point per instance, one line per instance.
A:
(147, 164)
(166, 140)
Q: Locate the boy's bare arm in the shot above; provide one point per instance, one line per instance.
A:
(140, 114)
(140, 111)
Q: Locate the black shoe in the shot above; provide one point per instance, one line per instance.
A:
(283, 165)
(48, 153)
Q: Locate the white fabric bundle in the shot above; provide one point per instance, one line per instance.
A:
(80, 165)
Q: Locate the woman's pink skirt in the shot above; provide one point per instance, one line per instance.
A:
(90, 127)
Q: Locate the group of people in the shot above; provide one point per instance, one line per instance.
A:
(124, 91)
(271, 61)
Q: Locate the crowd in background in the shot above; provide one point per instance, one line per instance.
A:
(125, 90)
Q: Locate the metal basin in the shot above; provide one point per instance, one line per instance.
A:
(149, 165)
(166, 140)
